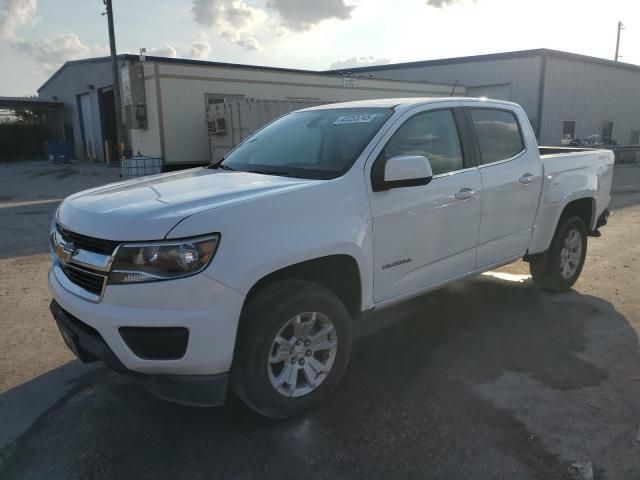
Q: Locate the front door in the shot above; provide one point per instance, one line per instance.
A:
(425, 235)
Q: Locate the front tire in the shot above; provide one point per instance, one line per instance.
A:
(293, 348)
(558, 268)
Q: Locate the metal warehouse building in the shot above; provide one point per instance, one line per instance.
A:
(566, 96)
(165, 100)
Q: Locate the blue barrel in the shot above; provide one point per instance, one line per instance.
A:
(59, 152)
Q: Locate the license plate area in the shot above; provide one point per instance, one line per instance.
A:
(69, 340)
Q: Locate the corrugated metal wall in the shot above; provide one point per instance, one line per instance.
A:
(523, 75)
(590, 94)
(72, 81)
(587, 92)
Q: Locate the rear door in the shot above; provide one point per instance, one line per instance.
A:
(511, 175)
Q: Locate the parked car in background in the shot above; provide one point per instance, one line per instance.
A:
(594, 140)
(247, 274)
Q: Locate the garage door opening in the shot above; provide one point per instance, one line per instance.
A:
(108, 122)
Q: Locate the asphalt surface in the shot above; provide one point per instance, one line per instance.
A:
(490, 378)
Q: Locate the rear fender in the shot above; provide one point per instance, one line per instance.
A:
(549, 215)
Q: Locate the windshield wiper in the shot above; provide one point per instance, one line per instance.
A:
(271, 172)
(220, 165)
(225, 167)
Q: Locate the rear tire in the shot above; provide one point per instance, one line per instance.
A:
(558, 268)
(293, 348)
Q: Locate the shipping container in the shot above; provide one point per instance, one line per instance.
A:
(229, 123)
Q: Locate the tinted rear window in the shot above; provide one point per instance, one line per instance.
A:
(498, 134)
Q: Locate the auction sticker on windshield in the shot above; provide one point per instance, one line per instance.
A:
(358, 118)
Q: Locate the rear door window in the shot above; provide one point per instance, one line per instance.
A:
(498, 134)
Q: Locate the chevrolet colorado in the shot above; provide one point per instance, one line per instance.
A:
(248, 273)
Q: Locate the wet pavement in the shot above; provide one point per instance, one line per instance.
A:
(415, 403)
(490, 378)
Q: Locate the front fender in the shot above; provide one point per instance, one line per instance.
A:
(262, 236)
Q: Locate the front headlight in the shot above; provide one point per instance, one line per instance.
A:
(155, 261)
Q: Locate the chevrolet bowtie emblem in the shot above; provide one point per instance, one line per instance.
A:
(67, 252)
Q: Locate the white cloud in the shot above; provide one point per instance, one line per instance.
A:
(301, 15)
(232, 18)
(102, 50)
(241, 23)
(200, 48)
(53, 52)
(14, 14)
(209, 13)
(164, 51)
(358, 62)
(443, 3)
(248, 43)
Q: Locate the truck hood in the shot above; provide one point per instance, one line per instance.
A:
(148, 208)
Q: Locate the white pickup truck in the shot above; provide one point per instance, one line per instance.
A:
(248, 273)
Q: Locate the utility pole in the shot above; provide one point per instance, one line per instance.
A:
(620, 28)
(116, 80)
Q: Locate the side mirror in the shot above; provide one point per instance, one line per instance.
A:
(404, 171)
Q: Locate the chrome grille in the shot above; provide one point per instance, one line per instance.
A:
(90, 281)
(98, 245)
(83, 261)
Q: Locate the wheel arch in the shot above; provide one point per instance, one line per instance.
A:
(338, 273)
(583, 207)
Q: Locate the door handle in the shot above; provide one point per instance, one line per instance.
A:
(464, 193)
(526, 179)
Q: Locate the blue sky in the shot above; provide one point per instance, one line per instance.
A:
(37, 36)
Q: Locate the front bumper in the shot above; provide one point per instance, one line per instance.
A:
(208, 309)
(87, 344)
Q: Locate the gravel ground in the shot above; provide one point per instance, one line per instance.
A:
(511, 382)
(29, 194)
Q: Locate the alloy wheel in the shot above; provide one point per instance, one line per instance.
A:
(302, 354)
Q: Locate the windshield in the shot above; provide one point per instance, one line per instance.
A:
(320, 144)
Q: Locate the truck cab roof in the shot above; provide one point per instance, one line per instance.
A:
(406, 103)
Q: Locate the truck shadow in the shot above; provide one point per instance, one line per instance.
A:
(408, 407)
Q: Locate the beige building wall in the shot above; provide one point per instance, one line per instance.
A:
(176, 100)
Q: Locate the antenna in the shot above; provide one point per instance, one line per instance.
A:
(620, 28)
(453, 90)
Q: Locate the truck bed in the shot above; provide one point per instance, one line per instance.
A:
(546, 151)
(568, 174)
